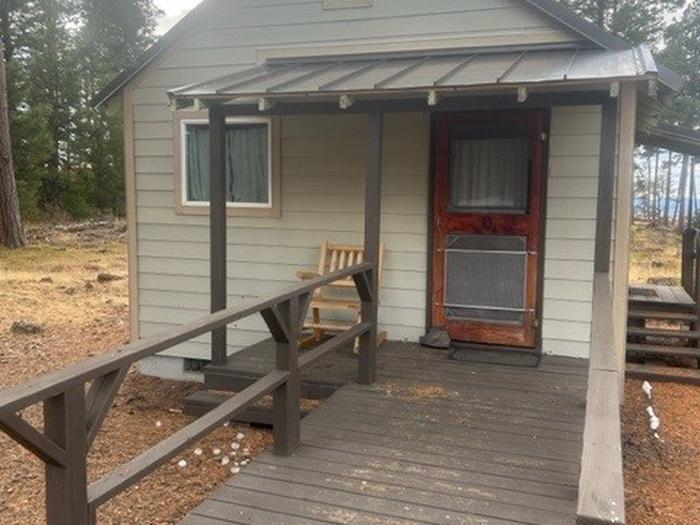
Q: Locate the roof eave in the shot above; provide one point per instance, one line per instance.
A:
(597, 84)
(576, 23)
(552, 9)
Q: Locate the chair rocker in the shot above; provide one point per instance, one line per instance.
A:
(337, 297)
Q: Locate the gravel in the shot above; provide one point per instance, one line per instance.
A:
(91, 321)
(661, 473)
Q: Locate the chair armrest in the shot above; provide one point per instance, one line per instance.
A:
(307, 276)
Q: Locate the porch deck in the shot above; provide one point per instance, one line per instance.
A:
(659, 296)
(433, 441)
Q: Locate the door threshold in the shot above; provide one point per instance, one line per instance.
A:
(495, 355)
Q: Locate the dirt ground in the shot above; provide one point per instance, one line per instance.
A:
(70, 286)
(54, 286)
(662, 475)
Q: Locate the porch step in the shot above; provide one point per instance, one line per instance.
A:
(663, 373)
(225, 379)
(666, 351)
(202, 402)
(660, 315)
(634, 331)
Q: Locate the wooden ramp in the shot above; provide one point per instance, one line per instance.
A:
(434, 441)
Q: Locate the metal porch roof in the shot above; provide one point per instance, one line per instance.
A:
(445, 72)
(674, 138)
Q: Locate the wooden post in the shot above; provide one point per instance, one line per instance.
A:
(217, 186)
(696, 291)
(287, 398)
(688, 260)
(606, 188)
(373, 216)
(66, 486)
(623, 221)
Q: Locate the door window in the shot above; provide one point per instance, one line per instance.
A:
(489, 170)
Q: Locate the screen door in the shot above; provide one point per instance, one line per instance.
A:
(487, 226)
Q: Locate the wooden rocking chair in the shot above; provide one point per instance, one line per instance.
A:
(336, 257)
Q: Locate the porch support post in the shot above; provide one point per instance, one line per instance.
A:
(606, 187)
(623, 221)
(217, 185)
(66, 486)
(373, 203)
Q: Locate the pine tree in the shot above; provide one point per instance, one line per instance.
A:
(68, 156)
(11, 232)
(112, 36)
(637, 21)
(682, 54)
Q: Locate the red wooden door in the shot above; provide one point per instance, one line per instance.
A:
(488, 226)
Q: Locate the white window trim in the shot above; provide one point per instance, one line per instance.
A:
(183, 163)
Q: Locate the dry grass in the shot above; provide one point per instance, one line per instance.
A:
(53, 283)
(656, 255)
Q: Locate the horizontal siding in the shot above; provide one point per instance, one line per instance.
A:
(571, 224)
(324, 161)
(265, 254)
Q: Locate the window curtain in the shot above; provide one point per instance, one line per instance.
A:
(246, 163)
(490, 174)
(197, 163)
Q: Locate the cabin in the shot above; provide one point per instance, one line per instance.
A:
(478, 156)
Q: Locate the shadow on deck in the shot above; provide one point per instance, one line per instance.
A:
(433, 441)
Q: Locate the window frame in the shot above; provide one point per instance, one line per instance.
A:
(233, 209)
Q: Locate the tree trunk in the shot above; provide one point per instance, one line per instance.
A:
(667, 193)
(647, 191)
(693, 191)
(682, 192)
(11, 231)
(655, 189)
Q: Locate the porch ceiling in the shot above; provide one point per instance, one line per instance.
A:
(448, 71)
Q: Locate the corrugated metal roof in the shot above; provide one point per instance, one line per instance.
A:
(674, 138)
(347, 75)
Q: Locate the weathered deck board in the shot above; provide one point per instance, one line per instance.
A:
(434, 441)
(655, 295)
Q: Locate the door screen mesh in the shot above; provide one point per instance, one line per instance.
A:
(485, 277)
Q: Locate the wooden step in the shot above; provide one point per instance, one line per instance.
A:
(204, 401)
(667, 351)
(686, 376)
(659, 332)
(660, 315)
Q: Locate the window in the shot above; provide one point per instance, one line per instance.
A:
(490, 170)
(251, 166)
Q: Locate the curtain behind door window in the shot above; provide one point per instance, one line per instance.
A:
(490, 174)
(247, 163)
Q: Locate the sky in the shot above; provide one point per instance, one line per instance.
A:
(173, 11)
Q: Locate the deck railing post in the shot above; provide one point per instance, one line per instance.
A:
(695, 294)
(66, 486)
(287, 397)
(689, 258)
(217, 185)
(373, 204)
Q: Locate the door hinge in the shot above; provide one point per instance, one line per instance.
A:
(536, 323)
(544, 137)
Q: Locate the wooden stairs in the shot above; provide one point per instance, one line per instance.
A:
(663, 338)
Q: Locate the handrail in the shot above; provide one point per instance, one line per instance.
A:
(601, 499)
(20, 397)
(73, 417)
